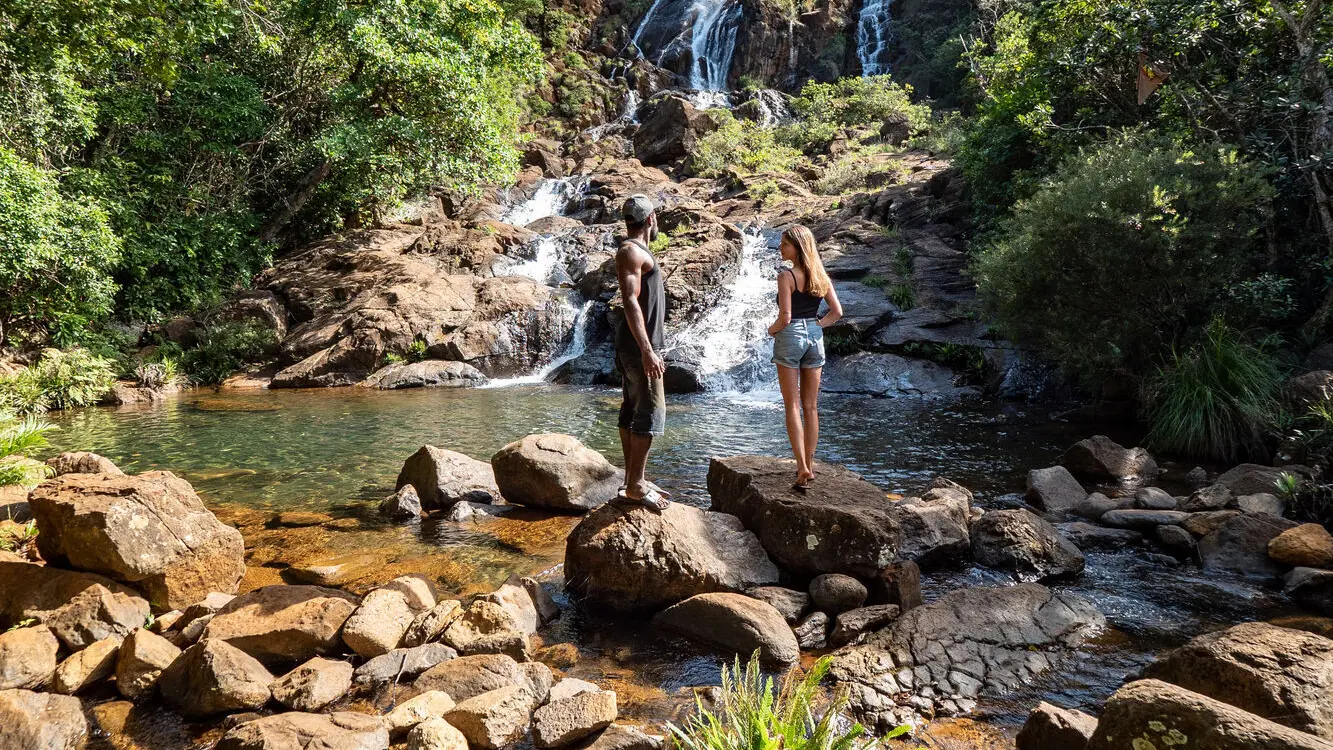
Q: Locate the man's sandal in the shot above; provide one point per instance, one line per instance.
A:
(653, 501)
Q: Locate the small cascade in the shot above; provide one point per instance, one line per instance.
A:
(578, 344)
(714, 43)
(550, 200)
(629, 115)
(730, 344)
(773, 109)
(874, 32)
(547, 266)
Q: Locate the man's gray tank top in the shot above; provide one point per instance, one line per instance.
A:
(652, 301)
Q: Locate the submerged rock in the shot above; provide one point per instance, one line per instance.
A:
(1024, 544)
(734, 622)
(555, 471)
(149, 530)
(634, 559)
(429, 373)
(444, 477)
(1100, 457)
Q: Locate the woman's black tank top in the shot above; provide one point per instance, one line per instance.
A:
(803, 304)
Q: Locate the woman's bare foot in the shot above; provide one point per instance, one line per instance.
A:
(803, 477)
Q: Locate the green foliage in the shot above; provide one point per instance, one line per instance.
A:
(947, 134)
(18, 437)
(822, 109)
(877, 282)
(752, 715)
(1130, 248)
(764, 191)
(903, 296)
(659, 244)
(59, 380)
(840, 345)
(1217, 399)
(749, 82)
(1307, 501)
(416, 351)
(224, 348)
(55, 255)
(854, 170)
(741, 145)
(965, 359)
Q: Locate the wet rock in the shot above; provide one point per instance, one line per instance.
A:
(842, 524)
(568, 720)
(621, 737)
(214, 677)
(670, 130)
(41, 721)
(83, 462)
(27, 658)
(735, 623)
(379, 623)
(513, 598)
(429, 373)
(402, 505)
(899, 583)
(343, 730)
(547, 609)
(1206, 522)
(284, 623)
(313, 685)
(1143, 520)
(487, 628)
(789, 603)
(429, 625)
(555, 471)
(1021, 542)
(403, 663)
(140, 662)
(1282, 675)
(1240, 545)
(1209, 498)
(432, 704)
(1157, 714)
(1306, 546)
(1154, 498)
(1309, 389)
(1250, 479)
(1088, 536)
(470, 676)
(436, 734)
(1311, 587)
(336, 570)
(443, 477)
(1100, 457)
(636, 559)
(1095, 505)
(93, 664)
(812, 631)
(149, 530)
(1050, 727)
(890, 376)
(968, 643)
(80, 608)
(1176, 539)
(494, 719)
(1261, 502)
(298, 519)
(850, 626)
(540, 680)
(1054, 490)
(1196, 478)
(834, 593)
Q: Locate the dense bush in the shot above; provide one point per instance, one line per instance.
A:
(822, 109)
(224, 348)
(59, 380)
(741, 145)
(1129, 249)
(55, 255)
(20, 437)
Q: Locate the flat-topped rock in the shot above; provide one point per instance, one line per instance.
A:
(149, 530)
(284, 623)
(83, 462)
(444, 477)
(1055, 490)
(342, 730)
(1143, 520)
(428, 373)
(554, 471)
(968, 643)
(634, 559)
(1100, 457)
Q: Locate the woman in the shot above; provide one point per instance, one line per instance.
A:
(798, 343)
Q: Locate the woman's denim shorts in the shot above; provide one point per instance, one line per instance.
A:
(800, 345)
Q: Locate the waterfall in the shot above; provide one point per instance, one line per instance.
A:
(873, 34)
(714, 43)
(550, 200)
(730, 343)
(578, 344)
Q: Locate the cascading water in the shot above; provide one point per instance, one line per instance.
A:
(550, 200)
(706, 28)
(873, 34)
(582, 320)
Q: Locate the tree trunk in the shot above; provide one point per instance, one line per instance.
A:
(292, 204)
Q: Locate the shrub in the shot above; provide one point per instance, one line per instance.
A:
(19, 437)
(1217, 400)
(1128, 250)
(56, 253)
(741, 145)
(60, 380)
(822, 109)
(225, 348)
(750, 715)
(840, 345)
(1307, 501)
(852, 172)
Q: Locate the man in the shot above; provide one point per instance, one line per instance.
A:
(639, 341)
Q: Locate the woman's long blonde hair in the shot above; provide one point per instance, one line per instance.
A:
(807, 257)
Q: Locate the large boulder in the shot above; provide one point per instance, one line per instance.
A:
(554, 471)
(1021, 542)
(933, 528)
(41, 721)
(27, 658)
(637, 559)
(80, 608)
(968, 643)
(1240, 545)
(487, 628)
(1100, 457)
(142, 657)
(733, 622)
(1283, 675)
(1154, 714)
(213, 677)
(150, 530)
(671, 130)
(429, 373)
(835, 593)
(841, 524)
(1055, 490)
(1050, 727)
(1306, 546)
(1251, 479)
(342, 730)
(469, 676)
(567, 720)
(313, 685)
(495, 719)
(443, 477)
(284, 623)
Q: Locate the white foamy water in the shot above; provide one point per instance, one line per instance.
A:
(550, 200)
(578, 344)
(543, 265)
(873, 34)
(713, 43)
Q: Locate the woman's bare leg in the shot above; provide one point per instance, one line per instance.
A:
(810, 411)
(789, 381)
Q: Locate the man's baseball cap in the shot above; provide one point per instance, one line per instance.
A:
(637, 208)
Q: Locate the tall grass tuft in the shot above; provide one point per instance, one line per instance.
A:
(752, 715)
(1216, 400)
